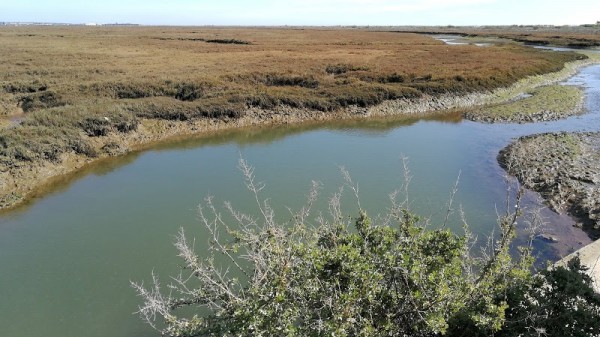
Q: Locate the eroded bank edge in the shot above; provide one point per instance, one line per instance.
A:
(19, 185)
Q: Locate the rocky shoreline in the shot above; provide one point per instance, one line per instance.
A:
(564, 168)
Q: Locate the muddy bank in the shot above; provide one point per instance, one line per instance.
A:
(564, 168)
(548, 103)
(18, 184)
(21, 183)
(535, 98)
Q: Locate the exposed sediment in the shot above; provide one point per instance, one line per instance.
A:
(564, 168)
(543, 104)
(525, 101)
(18, 184)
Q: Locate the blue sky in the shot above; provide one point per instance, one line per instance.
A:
(304, 12)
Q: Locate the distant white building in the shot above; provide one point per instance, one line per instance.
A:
(91, 24)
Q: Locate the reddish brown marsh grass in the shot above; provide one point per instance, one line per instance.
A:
(68, 79)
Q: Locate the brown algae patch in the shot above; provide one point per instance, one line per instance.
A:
(541, 104)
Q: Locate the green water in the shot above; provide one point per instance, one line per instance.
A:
(66, 259)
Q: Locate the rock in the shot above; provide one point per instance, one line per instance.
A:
(548, 237)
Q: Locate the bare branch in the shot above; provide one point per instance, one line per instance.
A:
(449, 209)
(353, 186)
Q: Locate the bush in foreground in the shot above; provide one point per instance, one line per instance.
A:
(360, 278)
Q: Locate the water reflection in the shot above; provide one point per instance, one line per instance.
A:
(268, 135)
(479, 41)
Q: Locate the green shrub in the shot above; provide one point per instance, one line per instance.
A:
(342, 68)
(556, 302)
(393, 78)
(290, 80)
(40, 100)
(136, 91)
(227, 41)
(262, 100)
(127, 125)
(183, 91)
(96, 126)
(81, 146)
(37, 143)
(25, 87)
(365, 95)
(397, 276)
(171, 109)
(101, 125)
(188, 92)
(47, 134)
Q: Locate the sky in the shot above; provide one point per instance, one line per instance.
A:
(304, 12)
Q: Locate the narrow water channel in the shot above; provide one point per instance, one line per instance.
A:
(66, 259)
